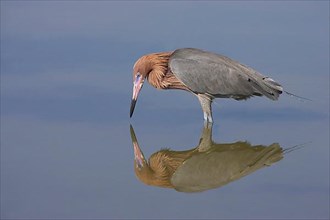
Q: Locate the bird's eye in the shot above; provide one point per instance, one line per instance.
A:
(137, 77)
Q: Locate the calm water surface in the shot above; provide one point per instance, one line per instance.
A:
(67, 143)
(86, 170)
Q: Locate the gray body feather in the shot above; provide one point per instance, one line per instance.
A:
(219, 76)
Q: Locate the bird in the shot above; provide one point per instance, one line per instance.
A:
(205, 74)
(208, 165)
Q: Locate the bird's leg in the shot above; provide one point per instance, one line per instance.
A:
(206, 102)
(205, 142)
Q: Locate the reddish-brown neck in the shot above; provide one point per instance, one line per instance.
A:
(155, 68)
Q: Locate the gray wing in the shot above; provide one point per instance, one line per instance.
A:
(219, 76)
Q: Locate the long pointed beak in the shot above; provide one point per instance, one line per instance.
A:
(138, 155)
(132, 107)
(138, 83)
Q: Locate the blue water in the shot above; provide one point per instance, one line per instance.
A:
(66, 84)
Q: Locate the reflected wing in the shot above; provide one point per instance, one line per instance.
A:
(222, 165)
(217, 75)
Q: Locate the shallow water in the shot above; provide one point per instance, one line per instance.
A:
(66, 144)
(83, 169)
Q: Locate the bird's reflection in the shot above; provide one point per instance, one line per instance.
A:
(209, 165)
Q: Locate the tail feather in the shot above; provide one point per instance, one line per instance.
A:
(302, 99)
(277, 89)
(274, 85)
(267, 87)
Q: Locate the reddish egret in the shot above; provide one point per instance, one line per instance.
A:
(205, 74)
(209, 165)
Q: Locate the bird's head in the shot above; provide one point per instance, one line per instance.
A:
(152, 67)
(140, 72)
